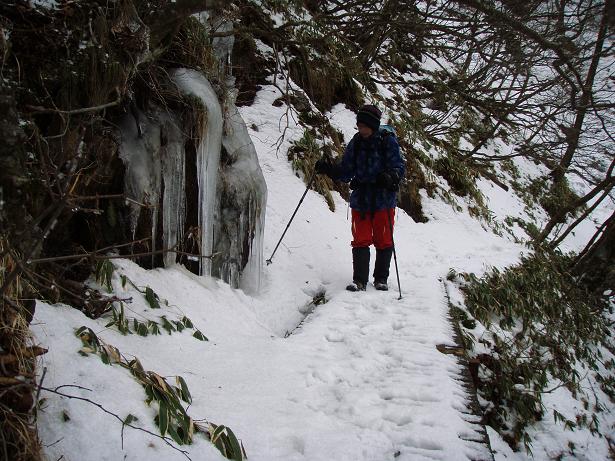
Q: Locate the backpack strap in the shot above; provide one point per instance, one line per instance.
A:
(384, 138)
(355, 152)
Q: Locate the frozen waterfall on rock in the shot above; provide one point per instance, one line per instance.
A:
(152, 166)
(243, 195)
(195, 84)
(231, 197)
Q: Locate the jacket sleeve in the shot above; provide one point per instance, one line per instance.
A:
(394, 160)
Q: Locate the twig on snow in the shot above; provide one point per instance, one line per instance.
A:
(124, 423)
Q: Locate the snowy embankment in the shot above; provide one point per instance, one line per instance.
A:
(360, 379)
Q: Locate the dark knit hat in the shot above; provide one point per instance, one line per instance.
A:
(370, 116)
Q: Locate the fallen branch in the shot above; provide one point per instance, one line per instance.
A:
(44, 110)
(76, 198)
(38, 391)
(96, 257)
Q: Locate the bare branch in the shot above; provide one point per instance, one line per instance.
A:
(102, 408)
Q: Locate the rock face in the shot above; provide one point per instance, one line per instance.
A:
(111, 145)
(225, 226)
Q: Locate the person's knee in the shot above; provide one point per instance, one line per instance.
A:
(361, 242)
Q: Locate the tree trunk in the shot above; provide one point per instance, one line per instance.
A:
(595, 263)
(584, 104)
(604, 186)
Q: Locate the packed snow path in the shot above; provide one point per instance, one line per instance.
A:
(370, 378)
(376, 371)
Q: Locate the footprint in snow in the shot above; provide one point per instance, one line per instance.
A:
(335, 337)
(428, 423)
(400, 418)
(425, 444)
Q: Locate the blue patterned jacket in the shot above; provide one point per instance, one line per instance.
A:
(363, 161)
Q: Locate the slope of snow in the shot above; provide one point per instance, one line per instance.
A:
(358, 379)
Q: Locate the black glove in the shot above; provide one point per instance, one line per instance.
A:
(324, 166)
(355, 184)
(387, 180)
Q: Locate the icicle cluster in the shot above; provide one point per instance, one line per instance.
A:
(231, 199)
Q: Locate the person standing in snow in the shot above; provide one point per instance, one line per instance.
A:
(373, 165)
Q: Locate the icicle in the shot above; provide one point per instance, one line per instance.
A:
(174, 194)
(243, 206)
(140, 152)
(223, 46)
(208, 155)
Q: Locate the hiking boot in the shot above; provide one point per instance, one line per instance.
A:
(381, 285)
(356, 286)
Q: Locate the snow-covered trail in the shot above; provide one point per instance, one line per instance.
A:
(364, 371)
(361, 377)
(360, 380)
(376, 365)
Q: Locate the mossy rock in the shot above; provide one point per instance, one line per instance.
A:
(250, 68)
(326, 83)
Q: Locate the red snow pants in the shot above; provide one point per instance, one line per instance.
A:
(372, 228)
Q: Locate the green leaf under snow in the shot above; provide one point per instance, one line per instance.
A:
(104, 273)
(185, 393)
(142, 329)
(175, 436)
(200, 336)
(163, 417)
(223, 445)
(130, 419)
(189, 428)
(225, 440)
(153, 326)
(167, 325)
(152, 298)
(236, 452)
(217, 432)
(187, 322)
(149, 393)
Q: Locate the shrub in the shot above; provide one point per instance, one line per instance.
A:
(542, 329)
(303, 155)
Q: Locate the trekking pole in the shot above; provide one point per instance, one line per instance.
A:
(269, 261)
(394, 253)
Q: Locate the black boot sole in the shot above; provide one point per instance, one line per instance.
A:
(354, 288)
